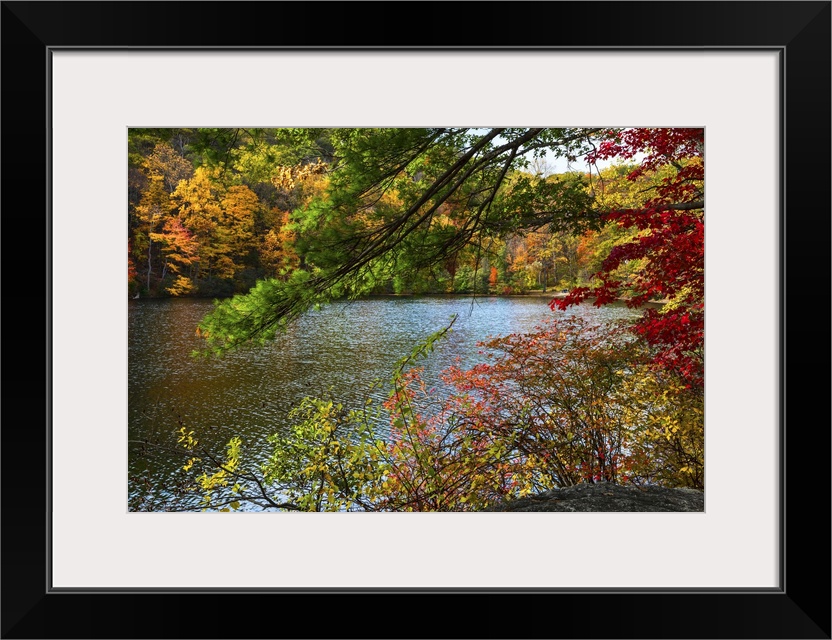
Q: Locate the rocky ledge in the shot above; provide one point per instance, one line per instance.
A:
(608, 497)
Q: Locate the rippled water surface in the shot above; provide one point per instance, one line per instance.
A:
(336, 352)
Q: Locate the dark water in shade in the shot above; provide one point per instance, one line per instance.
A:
(335, 352)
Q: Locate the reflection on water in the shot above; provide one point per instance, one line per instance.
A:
(337, 351)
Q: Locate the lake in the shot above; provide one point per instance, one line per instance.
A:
(335, 352)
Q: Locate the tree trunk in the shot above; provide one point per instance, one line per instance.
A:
(149, 262)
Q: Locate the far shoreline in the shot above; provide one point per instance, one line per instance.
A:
(435, 294)
(529, 294)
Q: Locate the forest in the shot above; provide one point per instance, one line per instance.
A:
(211, 212)
(271, 223)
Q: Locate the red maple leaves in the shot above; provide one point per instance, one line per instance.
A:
(670, 242)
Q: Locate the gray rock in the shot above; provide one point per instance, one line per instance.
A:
(608, 497)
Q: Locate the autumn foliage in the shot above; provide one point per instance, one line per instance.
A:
(670, 242)
(452, 211)
(570, 403)
(567, 404)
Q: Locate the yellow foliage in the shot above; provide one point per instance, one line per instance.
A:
(181, 286)
(668, 434)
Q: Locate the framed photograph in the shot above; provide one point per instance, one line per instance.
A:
(78, 77)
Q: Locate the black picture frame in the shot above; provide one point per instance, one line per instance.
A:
(799, 608)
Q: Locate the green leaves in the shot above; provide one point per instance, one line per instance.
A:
(422, 349)
(329, 460)
(251, 317)
(401, 206)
